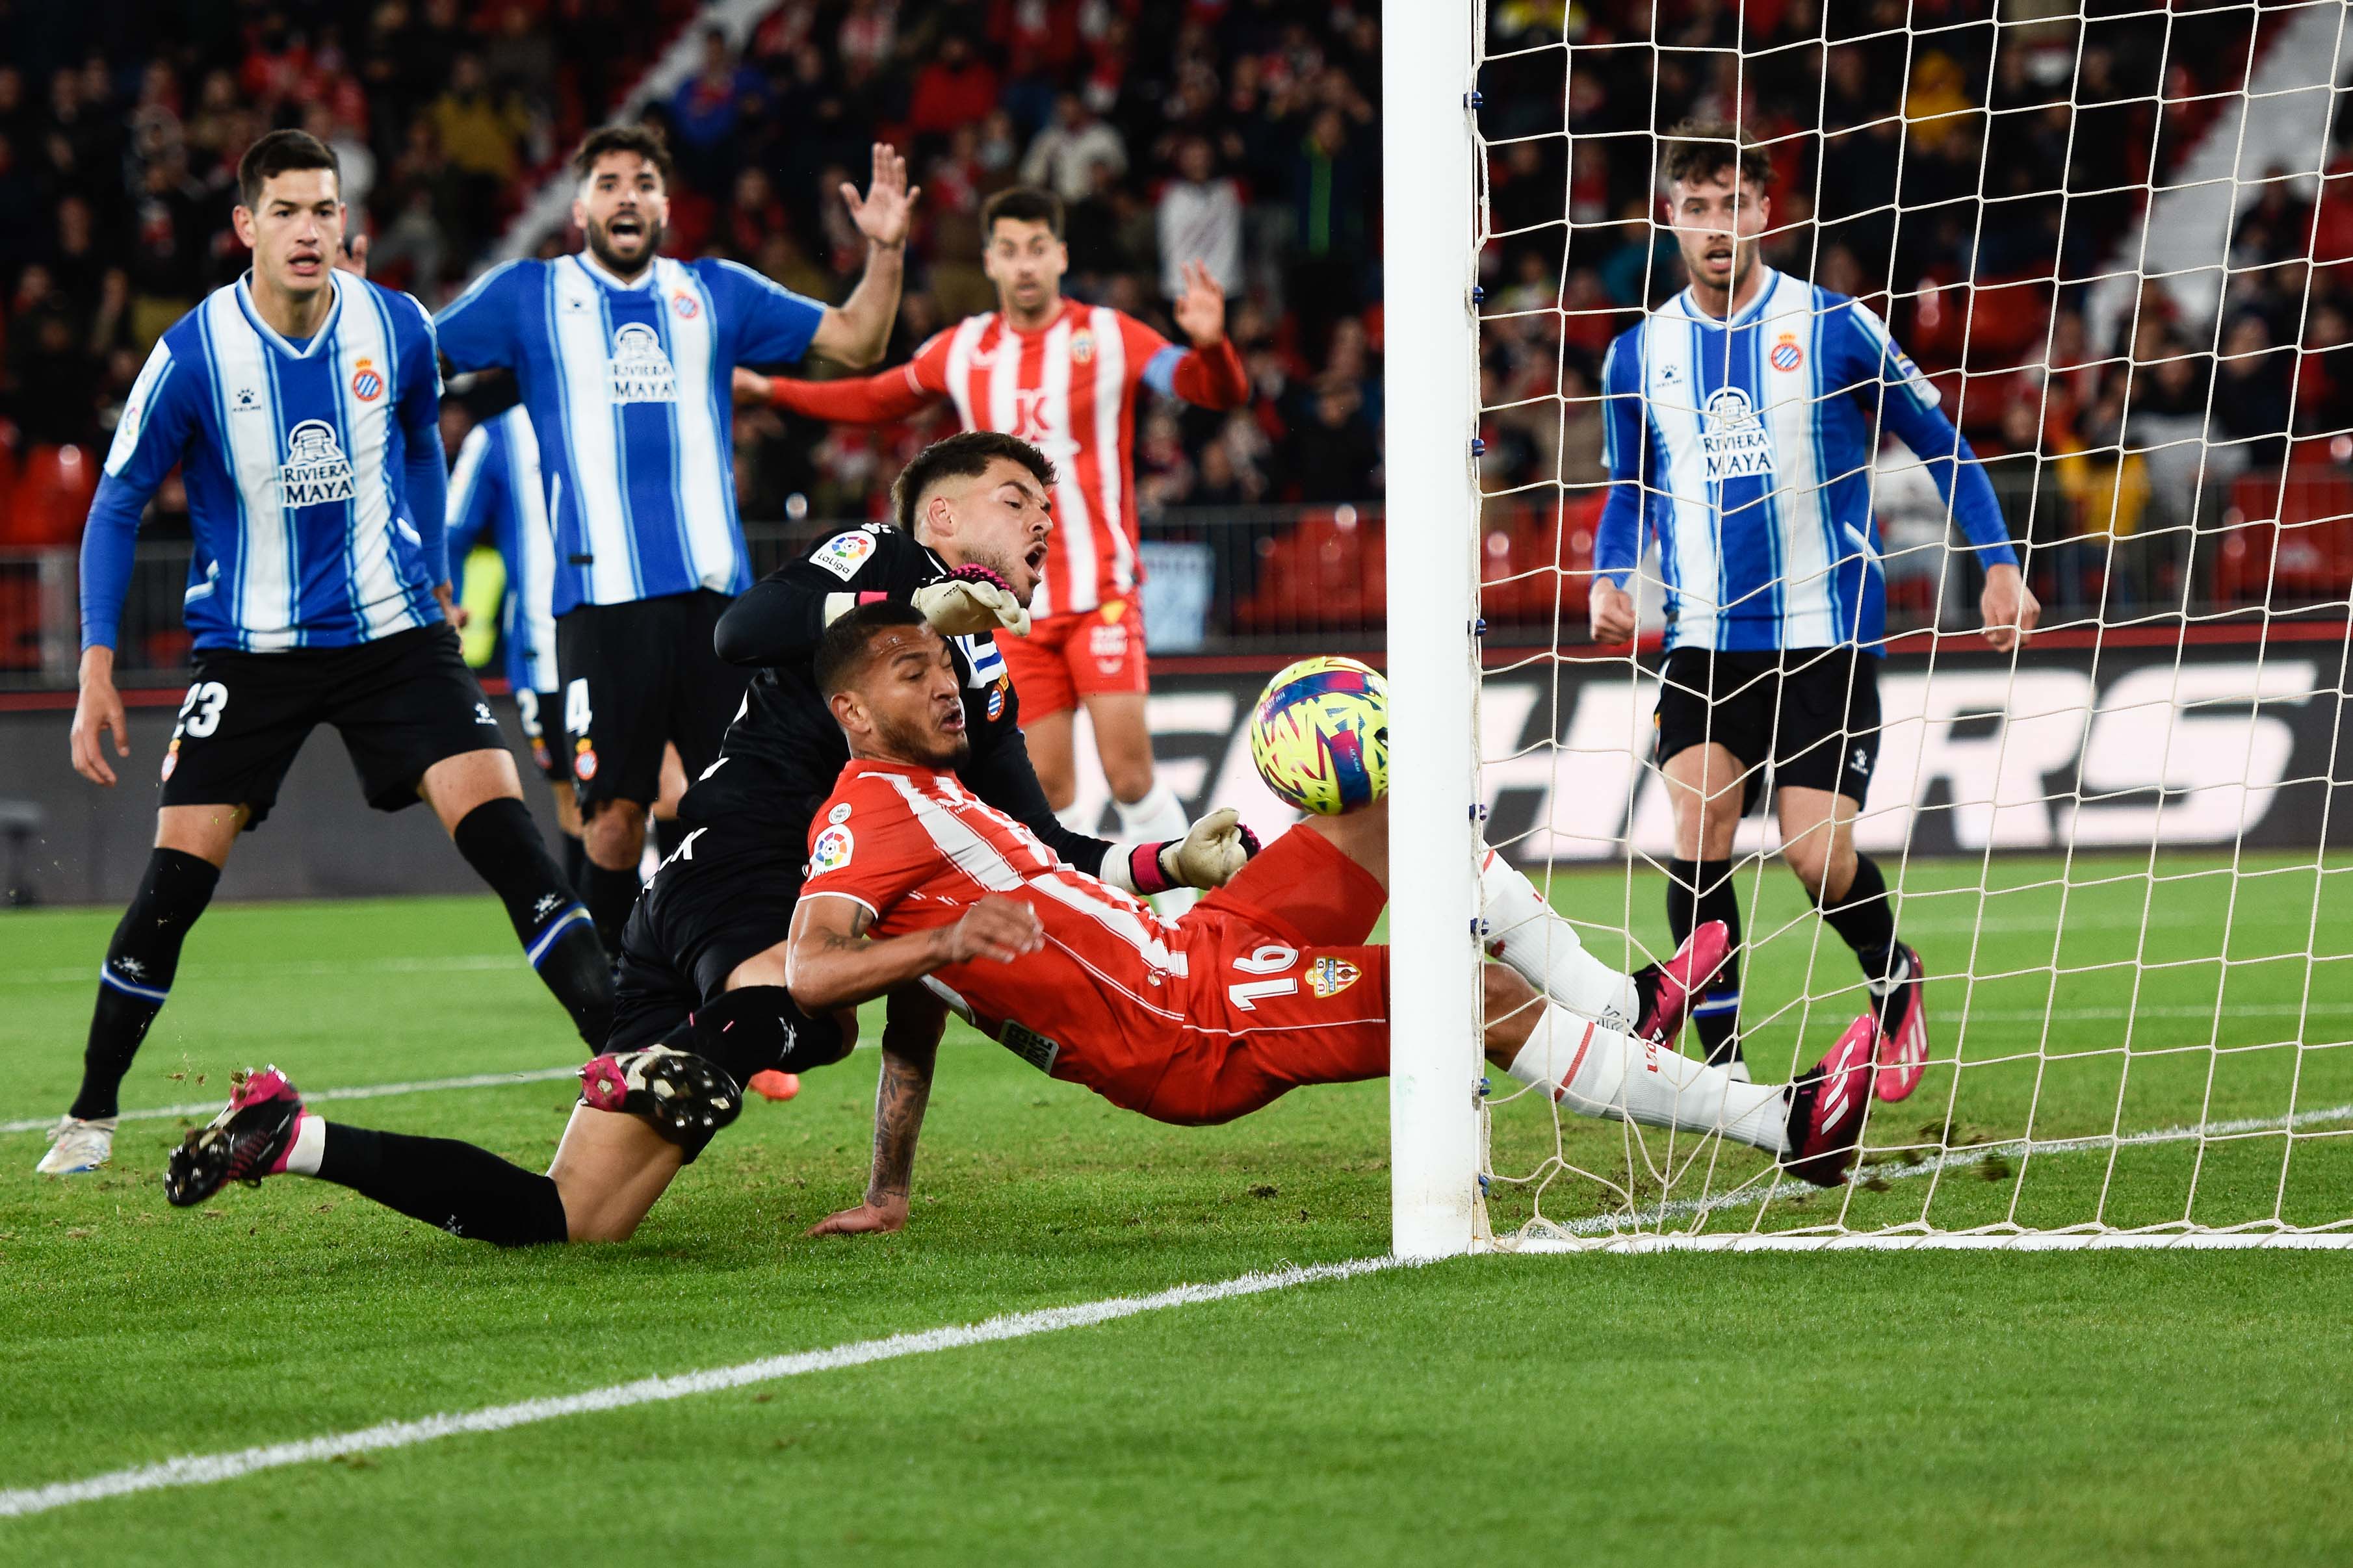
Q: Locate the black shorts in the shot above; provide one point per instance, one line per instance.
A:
(401, 703)
(722, 899)
(637, 675)
(553, 760)
(1813, 713)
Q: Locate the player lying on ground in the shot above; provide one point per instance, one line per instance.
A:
(302, 406)
(611, 1168)
(1265, 985)
(1742, 417)
(701, 967)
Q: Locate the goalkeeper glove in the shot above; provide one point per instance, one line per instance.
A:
(1207, 856)
(970, 600)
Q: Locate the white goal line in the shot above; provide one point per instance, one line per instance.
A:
(202, 1469)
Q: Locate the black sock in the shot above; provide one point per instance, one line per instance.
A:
(500, 840)
(1699, 891)
(455, 1186)
(141, 963)
(669, 834)
(610, 895)
(575, 864)
(1865, 919)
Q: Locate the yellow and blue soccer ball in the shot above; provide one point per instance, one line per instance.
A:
(1321, 735)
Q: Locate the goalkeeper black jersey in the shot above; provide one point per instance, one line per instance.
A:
(784, 751)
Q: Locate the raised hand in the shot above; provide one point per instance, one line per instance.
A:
(1200, 311)
(888, 207)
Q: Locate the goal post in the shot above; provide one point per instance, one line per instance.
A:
(1428, 70)
(2116, 250)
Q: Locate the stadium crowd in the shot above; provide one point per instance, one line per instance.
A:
(1243, 131)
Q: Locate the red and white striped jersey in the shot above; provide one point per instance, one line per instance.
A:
(1070, 391)
(917, 848)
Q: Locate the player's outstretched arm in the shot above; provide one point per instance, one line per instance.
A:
(858, 400)
(830, 961)
(856, 331)
(911, 1044)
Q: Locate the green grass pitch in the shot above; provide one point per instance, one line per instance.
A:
(1866, 1408)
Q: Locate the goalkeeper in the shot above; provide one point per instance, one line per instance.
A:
(1741, 418)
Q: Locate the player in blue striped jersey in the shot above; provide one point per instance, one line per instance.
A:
(301, 406)
(624, 358)
(1741, 421)
(498, 499)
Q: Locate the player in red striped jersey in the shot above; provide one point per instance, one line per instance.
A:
(1269, 983)
(1062, 375)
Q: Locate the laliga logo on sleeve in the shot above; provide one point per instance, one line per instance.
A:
(844, 553)
(367, 384)
(831, 851)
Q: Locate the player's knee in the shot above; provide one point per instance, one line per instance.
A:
(1812, 861)
(1130, 777)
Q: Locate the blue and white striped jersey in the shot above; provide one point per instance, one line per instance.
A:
(313, 470)
(629, 390)
(1746, 445)
(496, 490)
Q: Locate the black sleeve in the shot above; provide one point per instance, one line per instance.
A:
(781, 618)
(1003, 777)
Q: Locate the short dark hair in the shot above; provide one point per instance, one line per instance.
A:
(841, 653)
(643, 139)
(1022, 203)
(1701, 150)
(964, 456)
(277, 154)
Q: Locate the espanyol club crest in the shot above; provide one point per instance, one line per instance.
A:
(1082, 346)
(583, 760)
(1787, 354)
(367, 384)
(997, 702)
(1327, 977)
(171, 759)
(683, 303)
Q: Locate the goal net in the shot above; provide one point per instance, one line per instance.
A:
(2112, 247)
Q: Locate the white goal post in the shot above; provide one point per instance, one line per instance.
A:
(2118, 849)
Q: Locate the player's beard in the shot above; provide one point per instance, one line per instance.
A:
(926, 745)
(600, 245)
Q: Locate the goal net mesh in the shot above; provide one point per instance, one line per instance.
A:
(2117, 242)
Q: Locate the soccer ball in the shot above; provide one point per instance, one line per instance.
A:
(1321, 735)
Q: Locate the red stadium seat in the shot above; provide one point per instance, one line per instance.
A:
(52, 497)
(1328, 572)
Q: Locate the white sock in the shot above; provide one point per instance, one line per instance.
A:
(1596, 1071)
(1523, 931)
(1158, 815)
(1077, 820)
(310, 1142)
(1155, 819)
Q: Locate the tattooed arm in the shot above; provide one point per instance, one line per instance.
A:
(830, 961)
(911, 1043)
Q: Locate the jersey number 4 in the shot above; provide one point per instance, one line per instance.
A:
(1271, 960)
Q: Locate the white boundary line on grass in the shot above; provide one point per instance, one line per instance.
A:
(202, 1469)
(363, 1091)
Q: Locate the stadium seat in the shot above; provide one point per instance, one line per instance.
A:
(1328, 572)
(51, 497)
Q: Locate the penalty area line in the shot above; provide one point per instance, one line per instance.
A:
(203, 1470)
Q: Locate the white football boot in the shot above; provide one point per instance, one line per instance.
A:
(76, 1146)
